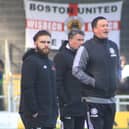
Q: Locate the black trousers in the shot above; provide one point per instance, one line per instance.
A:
(100, 116)
(30, 124)
(76, 122)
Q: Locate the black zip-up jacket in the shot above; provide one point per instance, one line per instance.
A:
(38, 88)
(69, 88)
(97, 65)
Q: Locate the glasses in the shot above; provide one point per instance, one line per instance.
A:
(45, 42)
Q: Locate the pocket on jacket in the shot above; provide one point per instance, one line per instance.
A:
(74, 109)
(100, 83)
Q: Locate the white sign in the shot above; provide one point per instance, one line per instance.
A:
(60, 18)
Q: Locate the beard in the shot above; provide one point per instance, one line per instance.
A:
(43, 51)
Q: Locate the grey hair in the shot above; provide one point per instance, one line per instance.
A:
(74, 32)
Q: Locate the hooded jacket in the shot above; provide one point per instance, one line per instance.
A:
(38, 88)
(69, 88)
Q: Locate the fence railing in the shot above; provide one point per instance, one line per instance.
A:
(122, 103)
(12, 91)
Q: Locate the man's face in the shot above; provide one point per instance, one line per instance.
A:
(76, 41)
(43, 44)
(101, 30)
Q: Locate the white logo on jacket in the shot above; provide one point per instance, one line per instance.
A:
(112, 52)
(94, 112)
(45, 67)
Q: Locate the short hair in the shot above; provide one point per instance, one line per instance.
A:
(73, 32)
(95, 20)
(41, 33)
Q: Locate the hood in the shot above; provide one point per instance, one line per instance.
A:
(28, 53)
(63, 45)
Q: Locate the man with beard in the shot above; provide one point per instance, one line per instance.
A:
(38, 104)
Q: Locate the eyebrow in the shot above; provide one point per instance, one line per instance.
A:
(44, 41)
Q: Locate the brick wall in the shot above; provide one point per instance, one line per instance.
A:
(12, 29)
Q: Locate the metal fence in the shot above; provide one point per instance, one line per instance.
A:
(122, 103)
(11, 95)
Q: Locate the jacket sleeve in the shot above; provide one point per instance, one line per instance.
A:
(28, 83)
(80, 66)
(118, 65)
(60, 65)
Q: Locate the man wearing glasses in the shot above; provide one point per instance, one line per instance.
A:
(38, 107)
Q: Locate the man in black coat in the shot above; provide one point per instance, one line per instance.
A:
(38, 105)
(97, 66)
(69, 88)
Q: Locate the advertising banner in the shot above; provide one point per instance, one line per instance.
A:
(59, 19)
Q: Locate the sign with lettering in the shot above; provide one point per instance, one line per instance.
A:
(59, 19)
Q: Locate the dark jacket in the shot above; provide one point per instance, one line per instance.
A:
(98, 67)
(69, 88)
(38, 88)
